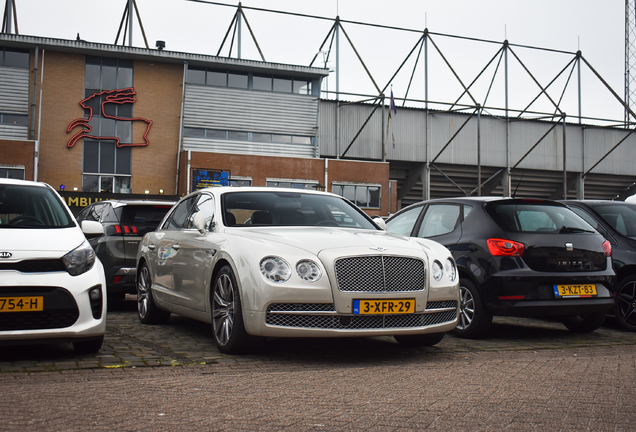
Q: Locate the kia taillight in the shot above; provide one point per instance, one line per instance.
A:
(607, 248)
(501, 247)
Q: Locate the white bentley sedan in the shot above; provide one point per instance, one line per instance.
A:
(269, 262)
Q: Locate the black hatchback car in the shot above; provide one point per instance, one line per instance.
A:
(517, 257)
(616, 220)
(125, 222)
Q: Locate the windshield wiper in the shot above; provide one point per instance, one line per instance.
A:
(565, 229)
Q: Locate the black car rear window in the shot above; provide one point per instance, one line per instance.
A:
(622, 217)
(520, 216)
(149, 215)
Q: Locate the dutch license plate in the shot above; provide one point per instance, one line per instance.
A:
(586, 290)
(21, 304)
(381, 307)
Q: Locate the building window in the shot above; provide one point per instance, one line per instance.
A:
(106, 167)
(14, 119)
(247, 136)
(211, 77)
(12, 172)
(14, 58)
(240, 181)
(295, 184)
(364, 196)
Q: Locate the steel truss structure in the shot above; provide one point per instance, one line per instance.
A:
(413, 175)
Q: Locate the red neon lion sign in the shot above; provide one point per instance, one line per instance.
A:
(118, 96)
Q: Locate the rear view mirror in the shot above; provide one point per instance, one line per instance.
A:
(92, 228)
(379, 222)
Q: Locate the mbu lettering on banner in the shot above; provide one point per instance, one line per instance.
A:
(78, 200)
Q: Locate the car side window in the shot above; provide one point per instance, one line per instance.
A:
(403, 223)
(179, 216)
(439, 219)
(108, 214)
(585, 216)
(205, 204)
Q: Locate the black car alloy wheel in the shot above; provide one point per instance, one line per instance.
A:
(625, 307)
(474, 319)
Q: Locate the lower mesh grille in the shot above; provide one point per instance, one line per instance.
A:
(356, 322)
(60, 309)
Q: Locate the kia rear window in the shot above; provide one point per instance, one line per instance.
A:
(536, 217)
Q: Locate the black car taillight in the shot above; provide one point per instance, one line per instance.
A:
(501, 247)
(607, 248)
(126, 229)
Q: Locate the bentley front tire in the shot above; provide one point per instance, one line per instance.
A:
(227, 315)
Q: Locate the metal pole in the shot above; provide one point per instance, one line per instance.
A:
(238, 24)
(478, 150)
(565, 173)
(506, 91)
(338, 87)
(427, 168)
(130, 22)
(9, 18)
(578, 65)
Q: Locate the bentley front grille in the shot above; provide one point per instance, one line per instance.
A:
(380, 274)
(323, 316)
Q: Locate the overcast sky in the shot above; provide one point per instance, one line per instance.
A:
(596, 28)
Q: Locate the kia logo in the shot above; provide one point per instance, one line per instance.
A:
(6, 254)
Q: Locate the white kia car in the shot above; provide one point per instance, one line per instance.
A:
(270, 262)
(52, 287)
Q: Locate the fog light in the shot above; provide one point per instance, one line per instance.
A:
(96, 300)
(95, 293)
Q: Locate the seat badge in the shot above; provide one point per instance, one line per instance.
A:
(378, 248)
(6, 254)
(569, 247)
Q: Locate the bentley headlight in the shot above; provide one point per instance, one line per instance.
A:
(450, 269)
(438, 271)
(275, 269)
(308, 270)
(79, 260)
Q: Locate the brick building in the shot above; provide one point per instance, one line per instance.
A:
(110, 120)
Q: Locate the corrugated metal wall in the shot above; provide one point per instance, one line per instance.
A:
(14, 90)
(586, 145)
(251, 111)
(14, 132)
(14, 99)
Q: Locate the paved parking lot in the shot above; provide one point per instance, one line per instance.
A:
(530, 375)
(129, 344)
